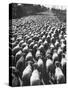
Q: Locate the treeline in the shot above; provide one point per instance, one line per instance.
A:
(18, 11)
(61, 14)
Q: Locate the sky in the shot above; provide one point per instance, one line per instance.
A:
(50, 6)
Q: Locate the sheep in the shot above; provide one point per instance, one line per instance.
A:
(19, 38)
(63, 64)
(40, 41)
(18, 55)
(29, 56)
(45, 42)
(56, 43)
(52, 48)
(25, 49)
(13, 73)
(46, 45)
(48, 53)
(49, 67)
(29, 41)
(62, 45)
(38, 54)
(42, 50)
(12, 39)
(35, 77)
(15, 81)
(35, 46)
(27, 74)
(35, 38)
(60, 53)
(31, 45)
(12, 69)
(20, 65)
(15, 50)
(48, 38)
(53, 40)
(14, 44)
(55, 56)
(27, 38)
(63, 61)
(62, 40)
(35, 49)
(40, 64)
(32, 35)
(59, 50)
(43, 37)
(59, 76)
(21, 42)
(12, 61)
(60, 36)
(41, 47)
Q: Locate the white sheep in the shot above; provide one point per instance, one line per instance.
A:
(21, 42)
(59, 76)
(16, 49)
(49, 65)
(18, 55)
(35, 78)
(55, 56)
(38, 54)
(27, 74)
(29, 56)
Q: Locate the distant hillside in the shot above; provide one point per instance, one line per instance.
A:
(61, 14)
(19, 11)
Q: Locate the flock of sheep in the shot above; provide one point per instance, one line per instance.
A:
(37, 48)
